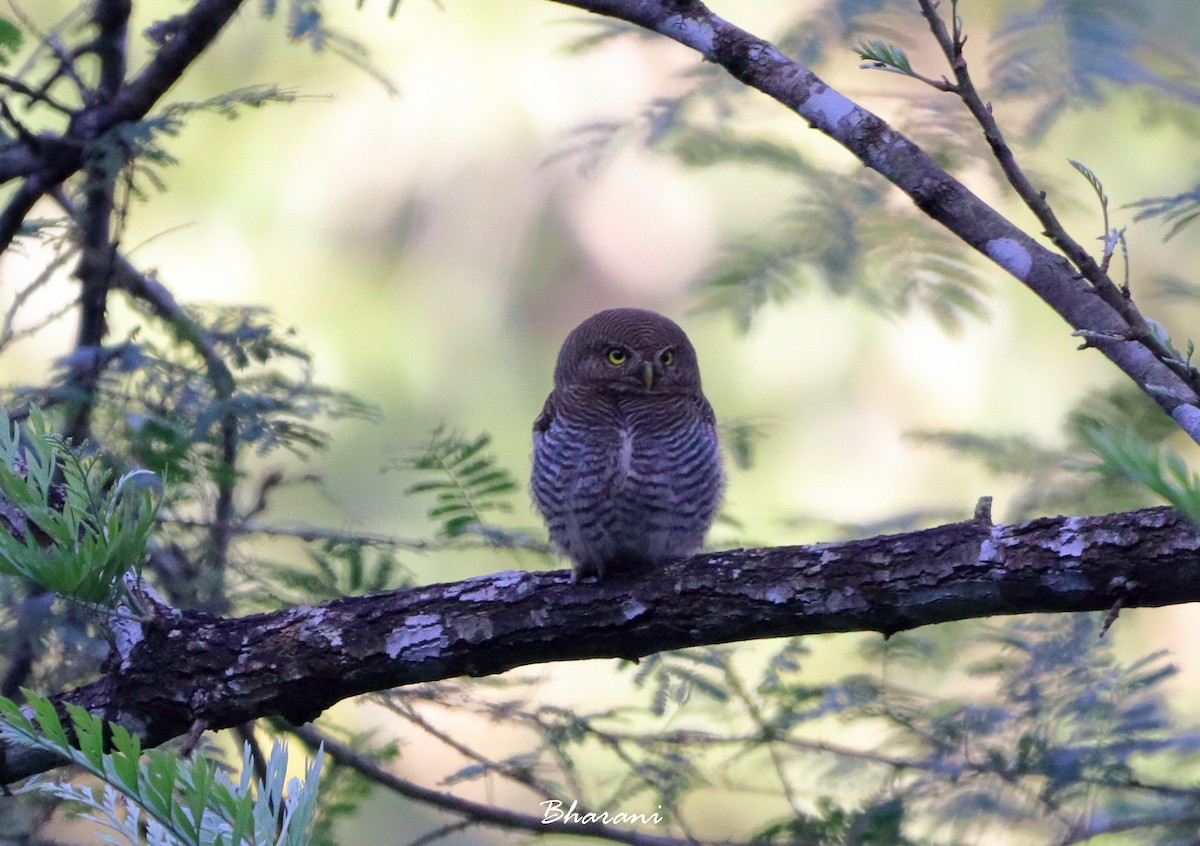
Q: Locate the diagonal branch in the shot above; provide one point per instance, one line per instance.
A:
(474, 812)
(1035, 200)
(196, 669)
(758, 64)
(183, 40)
(46, 161)
(14, 213)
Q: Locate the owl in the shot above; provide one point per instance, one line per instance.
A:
(626, 466)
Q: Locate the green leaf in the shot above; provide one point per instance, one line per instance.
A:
(10, 40)
(1092, 179)
(1158, 467)
(184, 800)
(468, 484)
(89, 736)
(883, 56)
(89, 533)
(48, 721)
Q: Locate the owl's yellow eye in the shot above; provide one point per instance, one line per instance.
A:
(667, 358)
(617, 356)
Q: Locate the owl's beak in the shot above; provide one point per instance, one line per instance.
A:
(648, 374)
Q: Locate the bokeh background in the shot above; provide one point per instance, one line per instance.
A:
(433, 247)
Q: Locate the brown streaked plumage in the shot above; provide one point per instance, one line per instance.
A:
(626, 466)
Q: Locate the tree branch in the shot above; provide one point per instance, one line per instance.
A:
(758, 64)
(1035, 201)
(111, 18)
(195, 668)
(474, 812)
(182, 41)
(47, 160)
(221, 530)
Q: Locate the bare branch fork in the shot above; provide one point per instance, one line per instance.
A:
(47, 160)
(951, 44)
(1087, 304)
(192, 669)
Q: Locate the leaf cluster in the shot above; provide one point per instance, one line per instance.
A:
(163, 405)
(1066, 477)
(837, 232)
(333, 569)
(157, 797)
(466, 483)
(72, 528)
(1059, 54)
(1177, 211)
(839, 236)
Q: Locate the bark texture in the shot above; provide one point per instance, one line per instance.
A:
(188, 671)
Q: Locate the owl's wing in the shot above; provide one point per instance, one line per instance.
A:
(542, 423)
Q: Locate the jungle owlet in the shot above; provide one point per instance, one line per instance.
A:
(626, 468)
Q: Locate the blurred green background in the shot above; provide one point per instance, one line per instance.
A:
(432, 249)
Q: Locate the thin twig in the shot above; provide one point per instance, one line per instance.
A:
(246, 734)
(442, 832)
(13, 216)
(305, 534)
(951, 46)
(474, 811)
(23, 133)
(7, 333)
(399, 706)
(766, 734)
(19, 87)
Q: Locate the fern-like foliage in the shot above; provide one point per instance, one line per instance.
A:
(1063, 53)
(142, 145)
(156, 797)
(308, 24)
(1123, 452)
(1176, 212)
(1030, 725)
(1060, 712)
(169, 414)
(598, 31)
(1066, 477)
(836, 234)
(71, 527)
(466, 483)
(335, 568)
(837, 237)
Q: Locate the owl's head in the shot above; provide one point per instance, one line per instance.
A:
(628, 349)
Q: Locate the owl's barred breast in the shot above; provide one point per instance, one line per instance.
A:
(627, 481)
(626, 466)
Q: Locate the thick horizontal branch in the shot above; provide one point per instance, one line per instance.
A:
(760, 65)
(196, 670)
